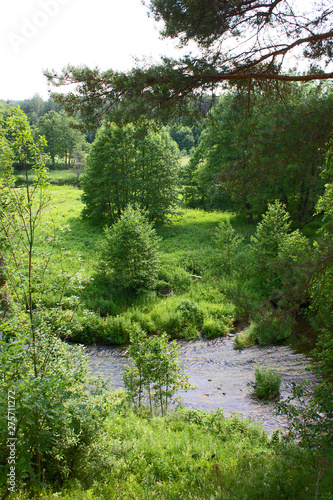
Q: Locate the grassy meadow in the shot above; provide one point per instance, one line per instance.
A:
(189, 266)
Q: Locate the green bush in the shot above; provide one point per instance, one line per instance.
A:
(191, 313)
(213, 328)
(87, 327)
(175, 278)
(272, 326)
(129, 254)
(143, 319)
(178, 318)
(267, 384)
(117, 329)
(60, 407)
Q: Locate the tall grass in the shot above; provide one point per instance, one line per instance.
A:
(191, 455)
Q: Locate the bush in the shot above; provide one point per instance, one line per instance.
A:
(60, 407)
(213, 328)
(144, 320)
(246, 338)
(87, 327)
(117, 329)
(267, 384)
(272, 326)
(191, 313)
(175, 278)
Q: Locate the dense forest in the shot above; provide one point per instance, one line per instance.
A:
(124, 226)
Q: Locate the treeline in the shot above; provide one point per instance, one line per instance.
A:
(260, 148)
(67, 144)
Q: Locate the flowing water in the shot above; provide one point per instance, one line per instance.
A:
(221, 374)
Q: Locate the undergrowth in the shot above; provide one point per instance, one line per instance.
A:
(190, 454)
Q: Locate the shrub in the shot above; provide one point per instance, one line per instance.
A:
(60, 407)
(143, 319)
(155, 375)
(213, 327)
(117, 329)
(179, 319)
(272, 326)
(175, 278)
(191, 313)
(87, 327)
(267, 384)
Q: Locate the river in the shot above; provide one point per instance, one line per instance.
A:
(222, 375)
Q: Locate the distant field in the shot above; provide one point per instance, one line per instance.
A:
(55, 176)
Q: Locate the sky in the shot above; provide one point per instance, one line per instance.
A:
(49, 34)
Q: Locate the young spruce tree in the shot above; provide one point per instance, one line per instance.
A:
(130, 256)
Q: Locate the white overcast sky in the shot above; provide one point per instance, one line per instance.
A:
(49, 34)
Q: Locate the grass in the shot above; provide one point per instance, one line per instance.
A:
(57, 177)
(187, 250)
(190, 455)
(267, 384)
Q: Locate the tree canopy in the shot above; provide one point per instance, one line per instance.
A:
(274, 150)
(247, 40)
(130, 164)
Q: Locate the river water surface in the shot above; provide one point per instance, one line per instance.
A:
(222, 375)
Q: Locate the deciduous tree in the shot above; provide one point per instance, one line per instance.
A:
(131, 164)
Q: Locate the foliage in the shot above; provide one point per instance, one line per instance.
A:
(235, 42)
(277, 279)
(130, 165)
(61, 135)
(267, 384)
(130, 254)
(58, 406)
(246, 338)
(227, 241)
(194, 454)
(155, 372)
(57, 416)
(239, 157)
(183, 136)
(36, 107)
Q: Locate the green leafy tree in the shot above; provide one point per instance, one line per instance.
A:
(155, 375)
(277, 280)
(253, 163)
(227, 241)
(53, 416)
(130, 164)
(183, 136)
(283, 259)
(130, 254)
(61, 135)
